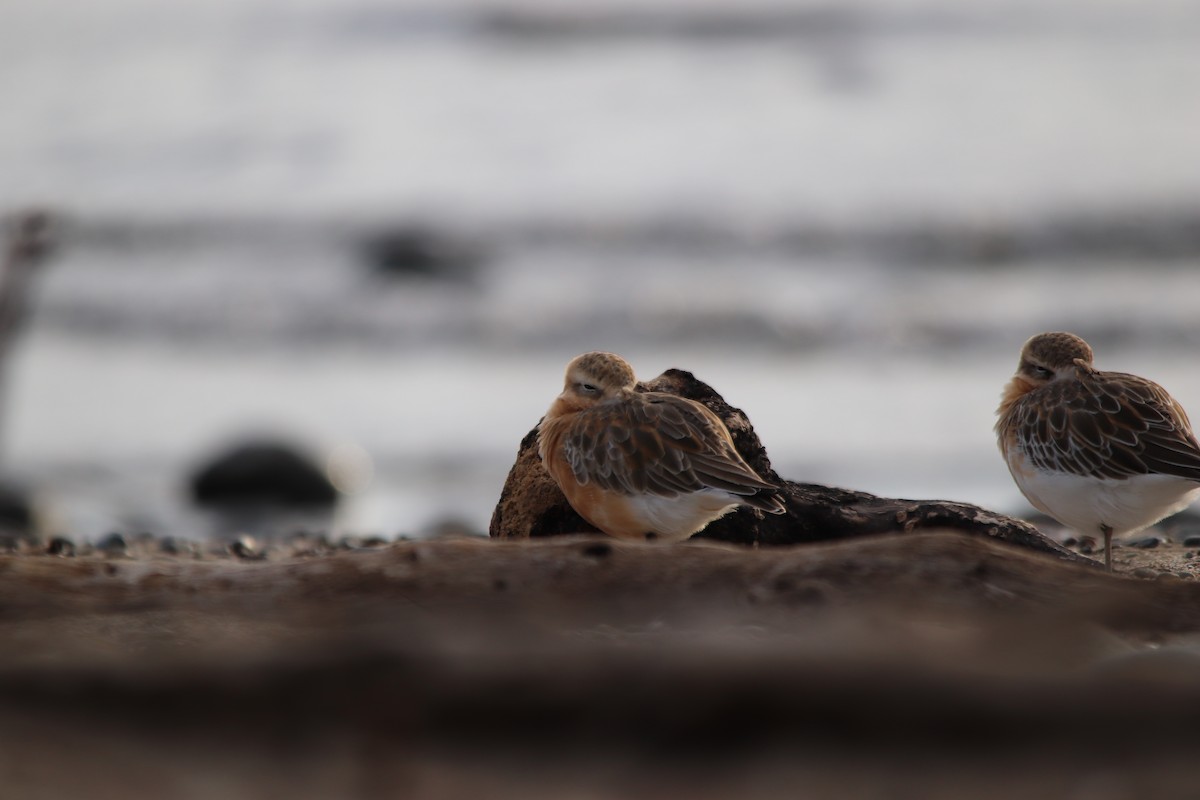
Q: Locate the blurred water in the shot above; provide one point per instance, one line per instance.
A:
(846, 217)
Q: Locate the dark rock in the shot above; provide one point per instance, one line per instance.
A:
(16, 509)
(60, 546)
(113, 546)
(531, 504)
(1145, 542)
(1192, 541)
(262, 473)
(417, 251)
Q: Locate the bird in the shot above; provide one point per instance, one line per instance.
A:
(1101, 452)
(643, 465)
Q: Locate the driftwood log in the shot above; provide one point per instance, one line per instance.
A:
(948, 664)
(531, 504)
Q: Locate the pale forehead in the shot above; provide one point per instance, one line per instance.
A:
(1057, 349)
(605, 368)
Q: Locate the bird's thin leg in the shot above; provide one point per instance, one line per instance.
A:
(1108, 532)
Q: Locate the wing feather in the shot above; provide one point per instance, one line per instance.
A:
(660, 444)
(1107, 425)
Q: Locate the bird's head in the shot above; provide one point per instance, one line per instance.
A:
(1051, 356)
(595, 377)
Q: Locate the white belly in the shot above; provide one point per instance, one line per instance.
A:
(676, 518)
(1086, 504)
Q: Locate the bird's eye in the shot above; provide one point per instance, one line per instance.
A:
(588, 388)
(1043, 372)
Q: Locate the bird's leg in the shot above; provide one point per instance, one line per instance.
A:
(1108, 532)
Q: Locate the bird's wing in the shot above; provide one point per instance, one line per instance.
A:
(1108, 425)
(659, 444)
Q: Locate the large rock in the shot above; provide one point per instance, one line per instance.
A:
(531, 504)
(416, 251)
(262, 473)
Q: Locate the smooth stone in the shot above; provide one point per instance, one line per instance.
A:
(1146, 542)
(113, 545)
(245, 547)
(61, 546)
(262, 473)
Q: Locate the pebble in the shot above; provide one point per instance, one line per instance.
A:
(1146, 542)
(1144, 572)
(245, 547)
(61, 546)
(1193, 540)
(113, 546)
(178, 546)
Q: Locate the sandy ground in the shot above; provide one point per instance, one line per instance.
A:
(930, 664)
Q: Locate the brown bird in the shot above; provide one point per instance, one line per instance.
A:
(1101, 452)
(643, 465)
